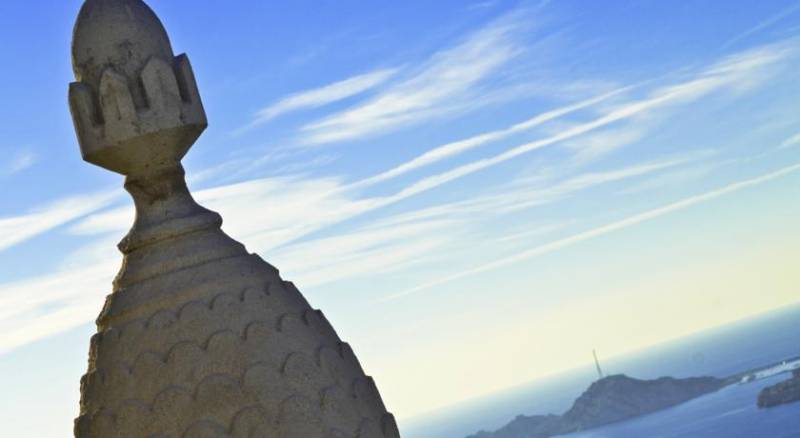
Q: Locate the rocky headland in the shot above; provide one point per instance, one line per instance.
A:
(609, 400)
(782, 393)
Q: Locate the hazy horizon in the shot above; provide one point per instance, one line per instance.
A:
(767, 338)
(590, 365)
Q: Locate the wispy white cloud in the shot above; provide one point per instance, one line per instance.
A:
(448, 76)
(523, 193)
(601, 231)
(338, 205)
(322, 96)
(305, 206)
(416, 236)
(372, 250)
(792, 141)
(248, 167)
(671, 179)
(276, 163)
(448, 150)
(18, 162)
(44, 306)
(108, 221)
(276, 214)
(16, 229)
(265, 213)
(536, 231)
(49, 304)
(591, 179)
(290, 208)
(765, 24)
(748, 67)
(592, 146)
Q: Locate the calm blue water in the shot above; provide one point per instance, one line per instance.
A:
(729, 413)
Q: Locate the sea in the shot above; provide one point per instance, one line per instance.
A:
(729, 413)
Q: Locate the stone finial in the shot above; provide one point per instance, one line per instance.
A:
(136, 106)
(198, 338)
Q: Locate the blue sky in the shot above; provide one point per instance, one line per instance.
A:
(476, 193)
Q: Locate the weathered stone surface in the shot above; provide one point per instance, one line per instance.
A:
(135, 105)
(199, 338)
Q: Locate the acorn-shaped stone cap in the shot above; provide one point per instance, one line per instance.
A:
(118, 34)
(136, 106)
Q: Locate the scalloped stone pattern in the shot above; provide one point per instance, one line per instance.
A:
(248, 363)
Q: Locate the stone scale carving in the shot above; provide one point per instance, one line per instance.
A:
(199, 338)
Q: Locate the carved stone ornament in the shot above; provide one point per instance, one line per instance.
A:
(199, 338)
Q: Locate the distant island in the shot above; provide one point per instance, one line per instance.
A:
(609, 400)
(782, 393)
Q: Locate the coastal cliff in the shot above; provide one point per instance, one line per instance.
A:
(609, 400)
(782, 393)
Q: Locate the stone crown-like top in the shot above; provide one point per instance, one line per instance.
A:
(136, 106)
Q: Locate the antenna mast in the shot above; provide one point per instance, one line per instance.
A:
(597, 364)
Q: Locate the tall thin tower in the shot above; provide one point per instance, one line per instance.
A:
(199, 338)
(597, 365)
